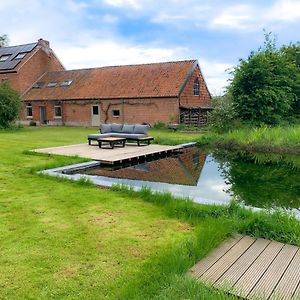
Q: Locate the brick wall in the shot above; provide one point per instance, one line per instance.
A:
(79, 112)
(187, 97)
(150, 110)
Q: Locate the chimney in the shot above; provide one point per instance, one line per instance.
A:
(44, 43)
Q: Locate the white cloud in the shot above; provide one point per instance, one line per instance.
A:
(238, 17)
(284, 10)
(136, 4)
(215, 75)
(113, 52)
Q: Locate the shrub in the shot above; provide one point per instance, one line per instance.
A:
(263, 85)
(223, 117)
(10, 105)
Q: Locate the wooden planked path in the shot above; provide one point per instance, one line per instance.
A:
(252, 268)
(110, 156)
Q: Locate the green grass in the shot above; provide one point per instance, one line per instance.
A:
(65, 240)
(264, 139)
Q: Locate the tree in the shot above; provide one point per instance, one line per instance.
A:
(263, 85)
(292, 52)
(3, 40)
(10, 105)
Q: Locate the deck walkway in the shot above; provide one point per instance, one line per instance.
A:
(111, 156)
(252, 268)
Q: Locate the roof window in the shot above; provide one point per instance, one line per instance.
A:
(4, 57)
(66, 82)
(20, 55)
(38, 85)
(52, 84)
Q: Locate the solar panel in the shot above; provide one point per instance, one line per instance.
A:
(10, 63)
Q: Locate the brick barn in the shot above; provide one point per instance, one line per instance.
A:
(168, 92)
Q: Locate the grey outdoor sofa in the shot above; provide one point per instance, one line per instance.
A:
(133, 132)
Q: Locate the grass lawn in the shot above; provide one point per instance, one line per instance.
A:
(65, 240)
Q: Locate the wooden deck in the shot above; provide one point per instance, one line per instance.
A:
(252, 268)
(111, 156)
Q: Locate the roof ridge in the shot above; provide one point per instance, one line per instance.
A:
(18, 45)
(130, 65)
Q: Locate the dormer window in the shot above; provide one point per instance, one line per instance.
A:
(4, 57)
(52, 84)
(66, 83)
(196, 87)
(20, 55)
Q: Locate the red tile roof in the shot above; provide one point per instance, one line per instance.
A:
(133, 81)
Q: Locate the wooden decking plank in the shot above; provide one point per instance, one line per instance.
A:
(231, 276)
(203, 265)
(289, 281)
(249, 279)
(271, 277)
(225, 262)
(108, 155)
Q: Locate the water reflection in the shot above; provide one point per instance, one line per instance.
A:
(217, 176)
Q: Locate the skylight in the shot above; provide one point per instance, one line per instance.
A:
(38, 85)
(52, 84)
(20, 56)
(66, 82)
(4, 57)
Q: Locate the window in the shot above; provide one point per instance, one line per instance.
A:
(52, 84)
(95, 110)
(66, 83)
(29, 111)
(38, 85)
(20, 56)
(57, 111)
(4, 57)
(116, 113)
(196, 87)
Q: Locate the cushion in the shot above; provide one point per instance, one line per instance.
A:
(141, 129)
(129, 135)
(98, 136)
(116, 127)
(127, 128)
(105, 128)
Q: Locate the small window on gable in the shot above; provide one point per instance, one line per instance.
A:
(52, 84)
(20, 55)
(116, 113)
(196, 87)
(57, 111)
(66, 83)
(29, 111)
(4, 57)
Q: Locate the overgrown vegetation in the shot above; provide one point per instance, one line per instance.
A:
(10, 105)
(61, 239)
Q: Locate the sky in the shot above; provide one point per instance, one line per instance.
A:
(95, 33)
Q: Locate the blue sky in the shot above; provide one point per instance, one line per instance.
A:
(115, 32)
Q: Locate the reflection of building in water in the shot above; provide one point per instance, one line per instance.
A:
(183, 169)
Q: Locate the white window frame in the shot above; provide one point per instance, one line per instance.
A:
(55, 116)
(27, 107)
(196, 87)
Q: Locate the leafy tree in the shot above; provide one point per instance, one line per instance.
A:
(3, 40)
(292, 52)
(10, 105)
(263, 86)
